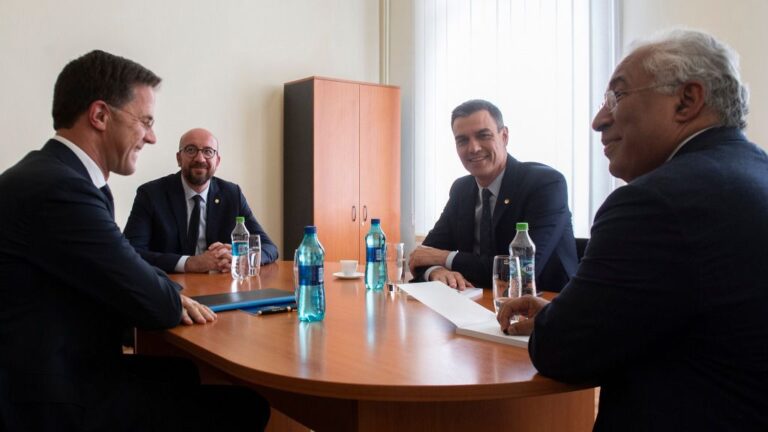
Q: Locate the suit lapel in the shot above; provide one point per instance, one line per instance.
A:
(212, 211)
(179, 209)
(506, 191)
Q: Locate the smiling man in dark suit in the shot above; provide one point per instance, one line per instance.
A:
(162, 226)
(667, 310)
(455, 253)
(71, 282)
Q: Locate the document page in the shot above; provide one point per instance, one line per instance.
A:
(470, 318)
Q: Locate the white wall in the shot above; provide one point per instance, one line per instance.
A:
(742, 24)
(223, 66)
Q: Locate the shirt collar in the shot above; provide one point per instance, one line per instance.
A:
(189, 192)
(495, 185)
(686, 141)
(93, 170)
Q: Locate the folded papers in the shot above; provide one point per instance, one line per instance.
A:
(470, 318)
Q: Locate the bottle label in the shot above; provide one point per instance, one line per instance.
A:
(527, 268)
(374, 254)
(310, 275)
(239, 248)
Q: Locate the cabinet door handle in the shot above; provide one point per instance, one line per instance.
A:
(365, 213)
(354, 213)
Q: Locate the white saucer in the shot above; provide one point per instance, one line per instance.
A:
(341, 275)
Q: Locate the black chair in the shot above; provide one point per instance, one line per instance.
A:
(581, 244)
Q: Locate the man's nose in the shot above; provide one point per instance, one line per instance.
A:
(150, 137)
(603, 119)
(473, 145)
(199, 156)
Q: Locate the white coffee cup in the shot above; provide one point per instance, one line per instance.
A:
(349, 267)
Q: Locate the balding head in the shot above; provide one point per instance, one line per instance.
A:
(198, 157)
(199, 136)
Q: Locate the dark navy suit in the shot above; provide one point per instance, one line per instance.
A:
(530, 192)
(70, 283)
(157, 226)
(667, 311)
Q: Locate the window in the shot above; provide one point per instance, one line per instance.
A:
(536, 61)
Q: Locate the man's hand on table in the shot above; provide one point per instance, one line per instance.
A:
(193, 312)
(526, 307)
(218, 257)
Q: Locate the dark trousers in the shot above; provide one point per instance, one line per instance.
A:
(148, 394)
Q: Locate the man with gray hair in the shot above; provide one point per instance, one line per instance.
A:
(667, 309)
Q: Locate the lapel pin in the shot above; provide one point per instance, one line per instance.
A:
(506, 200)
(216, 200)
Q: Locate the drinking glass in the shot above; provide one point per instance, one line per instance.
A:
(254, 254)
(506, 280)
(395, 263)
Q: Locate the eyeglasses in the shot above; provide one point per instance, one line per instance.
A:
(192, 151)
(147, 121)
(612, 97)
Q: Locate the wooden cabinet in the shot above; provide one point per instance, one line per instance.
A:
(341, 163)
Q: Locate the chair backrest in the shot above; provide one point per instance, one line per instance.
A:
(581, 244)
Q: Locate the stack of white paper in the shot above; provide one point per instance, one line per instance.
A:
(470, 318)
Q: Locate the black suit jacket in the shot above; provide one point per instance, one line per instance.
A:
(70, 284)
(530, 192)
(157, 226)
(667, 311)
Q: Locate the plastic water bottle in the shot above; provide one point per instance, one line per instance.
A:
(375, 257)
(239, 249)
(311, 293)
(522, 247)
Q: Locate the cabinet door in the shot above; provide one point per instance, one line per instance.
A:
(336, 164)
(380, 159)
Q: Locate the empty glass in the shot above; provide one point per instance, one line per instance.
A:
(254, 254)
(395, 264)
(506, 280)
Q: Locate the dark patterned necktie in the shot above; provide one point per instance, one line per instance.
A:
(194, 226)
(486, 238)
(108, 193)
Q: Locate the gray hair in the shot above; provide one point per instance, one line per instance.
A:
(684, 55)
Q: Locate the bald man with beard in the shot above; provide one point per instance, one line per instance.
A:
(162, 228)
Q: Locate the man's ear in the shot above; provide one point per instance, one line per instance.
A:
(690, 101)
(98, 115)
(505, 135)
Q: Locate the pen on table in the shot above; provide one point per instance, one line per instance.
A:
(276, 309)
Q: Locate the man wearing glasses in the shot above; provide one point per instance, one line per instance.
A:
(667, 309)
(71, 283)
(182, 222)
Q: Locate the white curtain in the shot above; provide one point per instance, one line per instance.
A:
(532, 59)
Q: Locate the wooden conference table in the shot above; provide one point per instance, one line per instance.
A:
(378, 361)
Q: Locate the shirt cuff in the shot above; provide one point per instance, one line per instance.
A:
(430, 270)
(180, 265)
(449, 259)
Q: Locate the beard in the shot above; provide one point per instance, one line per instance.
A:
(197, 180)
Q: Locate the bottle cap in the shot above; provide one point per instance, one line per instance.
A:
(375, 221)
(522, 226)
(310, 229)
(240, 219)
